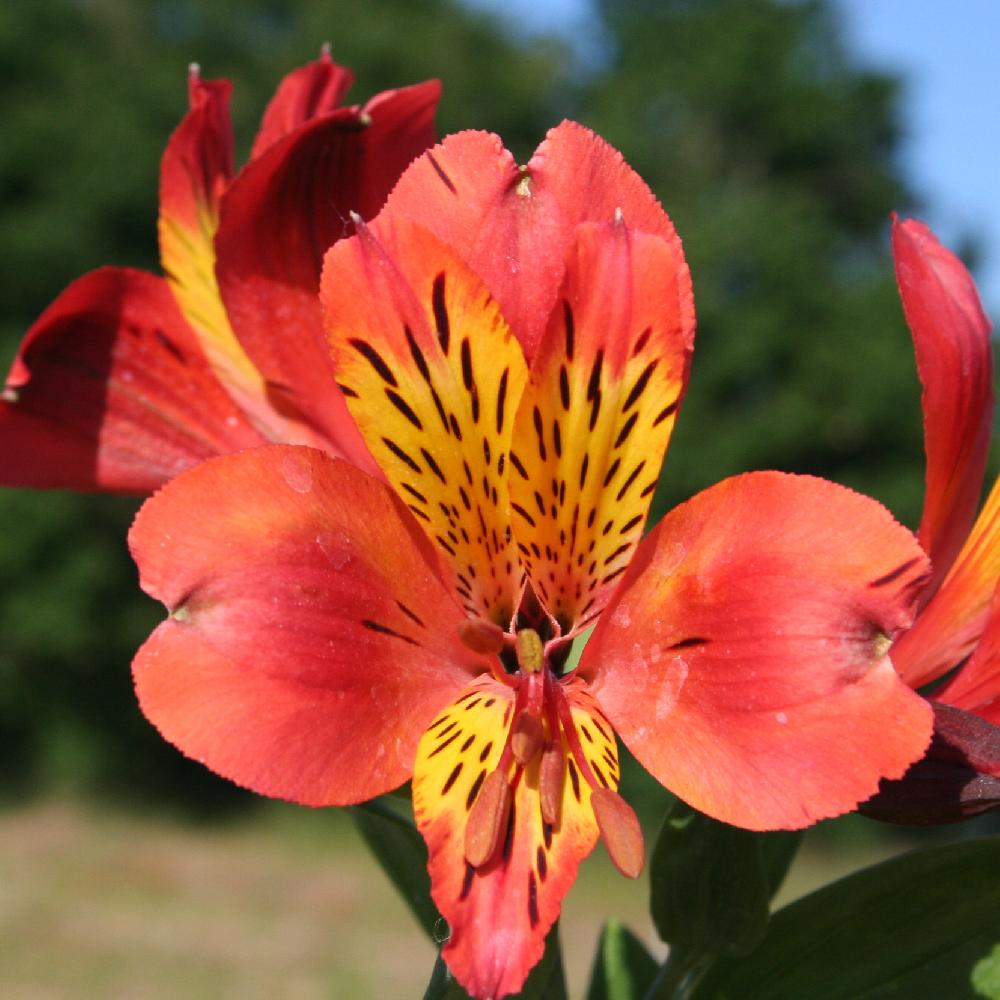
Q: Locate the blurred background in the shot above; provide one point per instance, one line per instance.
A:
(778, 135)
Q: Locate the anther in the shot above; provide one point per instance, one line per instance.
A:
(523, 187)
(487, 823)
(530, 652)
(526, 737)
(481, 636)
(620, 831)
(551, 778)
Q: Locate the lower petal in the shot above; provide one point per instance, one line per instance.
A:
(499, 913)
(743, 659)
(310, 638)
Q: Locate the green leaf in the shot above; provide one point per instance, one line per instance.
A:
(442, 986)
(623, 968)
(911, 927)
(709, 884)
(986, 975)
(401, 852)
(546, 981)
(777, 851)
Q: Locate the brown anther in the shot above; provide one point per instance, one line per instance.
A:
(620, 831)
(526, 737)
(530, 651)
(523, 187)
(487, 823)
(481, 636)
(551, 779)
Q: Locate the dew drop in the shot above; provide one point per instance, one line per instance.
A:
(297, 470)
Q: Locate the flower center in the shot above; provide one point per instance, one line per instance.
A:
(542, 726)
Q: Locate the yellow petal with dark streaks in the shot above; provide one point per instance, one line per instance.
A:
(500, 912)
(595, 421)
(433, 376)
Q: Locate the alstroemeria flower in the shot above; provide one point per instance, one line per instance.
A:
(959, 621)
(127, 377)
(514, 344)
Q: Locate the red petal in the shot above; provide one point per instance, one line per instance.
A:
(959, 776)
(951, 624)
(976, 685)
(500, 912)
(196, 170)
(278, 219)
(951, 335)
(304, 94)
(310, 639)
(197, 164)
(110, 391)
(743, 659)
(514, 226)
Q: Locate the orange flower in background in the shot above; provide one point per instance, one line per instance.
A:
(127, 377)
(513, 344)
(959, 622)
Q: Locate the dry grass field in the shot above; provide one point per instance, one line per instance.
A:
(283, 906)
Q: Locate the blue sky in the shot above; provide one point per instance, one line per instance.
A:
(946, 53)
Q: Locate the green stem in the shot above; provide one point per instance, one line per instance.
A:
(679, 975)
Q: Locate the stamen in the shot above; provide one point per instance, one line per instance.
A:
(526, 737)
(481, 636)
(551, 779)
(487, 823)
(620, 831)
(530, 651)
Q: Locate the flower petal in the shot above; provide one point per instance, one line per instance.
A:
(951, 335)
(948, 628)
(279, 217)
(306, 92)
(197, 168)
(500, 913)
(976, 685)
(310, 638)
(469, 192)
(109, 391)
(593, 426)
(743, 659)
(958, 777)
(433, 376)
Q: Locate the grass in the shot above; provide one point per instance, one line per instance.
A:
(285, 906)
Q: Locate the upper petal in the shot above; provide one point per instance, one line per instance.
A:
(976, 685)
(432, 375)
(595, 421)
(743, 658)
(514, 225)
(951, 623)
(110, 391)
(951, 335)
(310, 638)
(305, 93)
(280, 215)
(196, 169)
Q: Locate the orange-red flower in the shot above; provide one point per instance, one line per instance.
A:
(127, 377)
(514, 344)
(959, 621)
